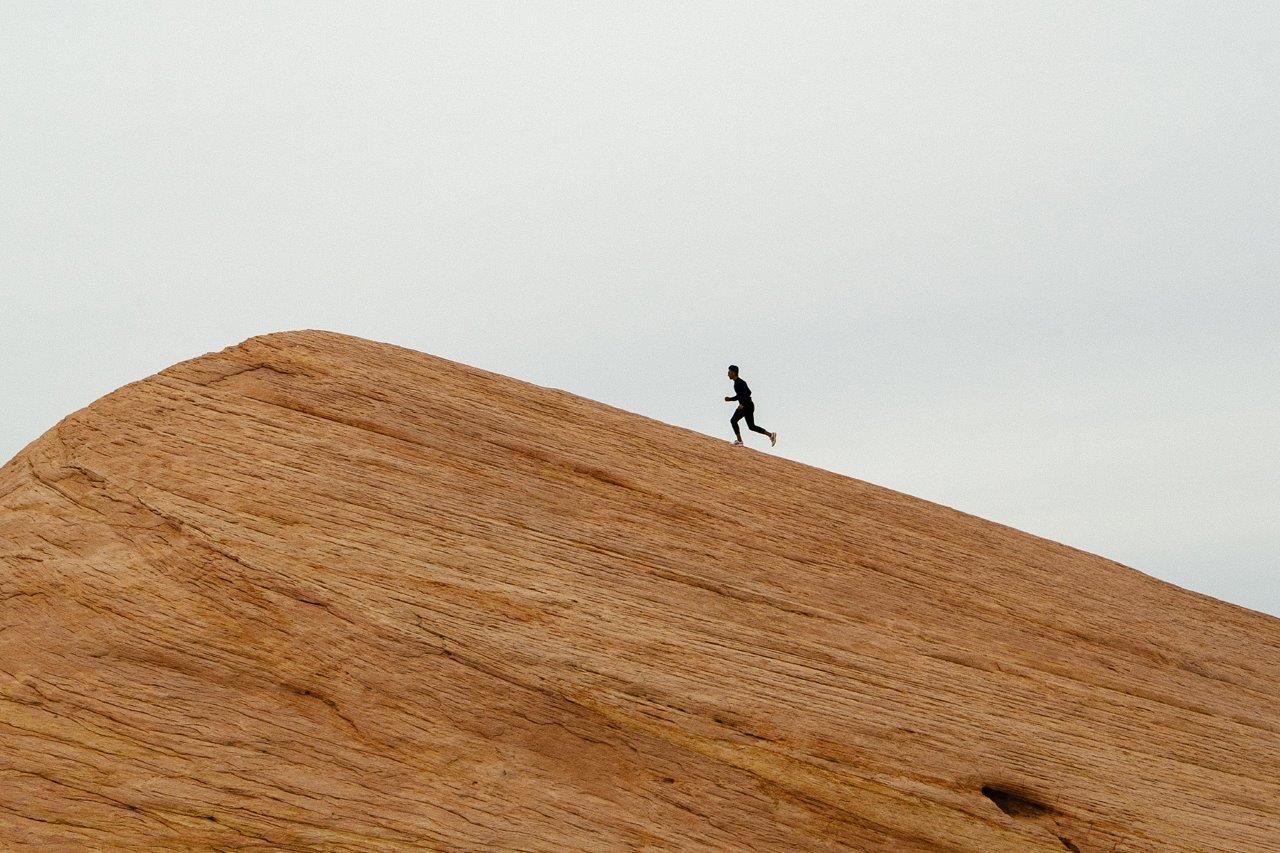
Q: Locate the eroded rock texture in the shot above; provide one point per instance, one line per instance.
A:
(318, 592)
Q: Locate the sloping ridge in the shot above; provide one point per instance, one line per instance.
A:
(318, 592)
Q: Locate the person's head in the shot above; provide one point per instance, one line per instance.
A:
(733, 371)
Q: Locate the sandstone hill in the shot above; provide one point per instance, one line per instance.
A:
(314, 592)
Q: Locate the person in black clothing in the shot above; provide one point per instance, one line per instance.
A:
(746, 408)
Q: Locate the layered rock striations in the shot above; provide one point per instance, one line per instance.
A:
(317, 592)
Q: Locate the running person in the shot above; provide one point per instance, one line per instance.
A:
(746, 409)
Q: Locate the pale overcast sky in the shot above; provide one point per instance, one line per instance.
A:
(1017, 258)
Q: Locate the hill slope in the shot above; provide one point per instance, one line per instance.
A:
(314, 591)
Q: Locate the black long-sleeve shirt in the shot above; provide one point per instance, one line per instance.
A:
(741, 392)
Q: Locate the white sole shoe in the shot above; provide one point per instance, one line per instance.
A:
(773, 439)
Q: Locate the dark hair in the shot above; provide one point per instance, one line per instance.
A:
(734, 368)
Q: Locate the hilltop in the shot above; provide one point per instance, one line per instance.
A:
(316, 591)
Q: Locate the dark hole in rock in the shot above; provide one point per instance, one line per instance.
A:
(1022, 806)
(1014, 805)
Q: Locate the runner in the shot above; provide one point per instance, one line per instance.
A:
(746, 409)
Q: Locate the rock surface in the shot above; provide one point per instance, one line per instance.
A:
(318, 592)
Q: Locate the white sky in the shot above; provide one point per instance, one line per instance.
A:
(1017, 258)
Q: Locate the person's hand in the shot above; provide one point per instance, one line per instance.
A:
(728, 399)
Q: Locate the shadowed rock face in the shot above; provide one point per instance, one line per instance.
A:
(314, 591)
